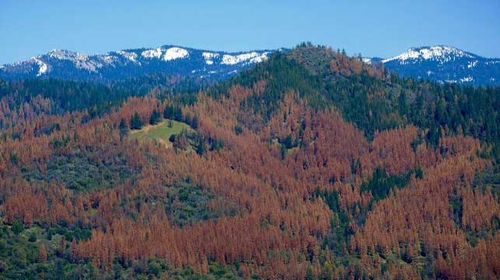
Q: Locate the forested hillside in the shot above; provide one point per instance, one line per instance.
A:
(312, 165)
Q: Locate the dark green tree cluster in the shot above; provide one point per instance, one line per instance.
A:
(136, 121)
(155, 117)
(173, 112)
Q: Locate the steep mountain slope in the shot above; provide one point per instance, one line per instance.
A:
(166, 60)
(445, 65)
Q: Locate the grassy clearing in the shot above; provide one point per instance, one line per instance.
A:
(160, 132)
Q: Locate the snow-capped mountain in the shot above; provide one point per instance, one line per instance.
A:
(437, 63)
(168, 60)
(444, 64)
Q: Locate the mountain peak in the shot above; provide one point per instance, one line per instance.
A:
(62, 54)
(445, 64)
(439, 52)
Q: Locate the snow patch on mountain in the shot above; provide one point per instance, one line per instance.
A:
(81, 61)
(109, 59)
(442, 53)
(209, 57)
(90, 66)
(493, 62)
(472, 64)
(42, 66)
(131, 56)
(63, 54)
(467, 79)
(152, 53)
(252, 57)
(175, 53)
(367, 60)
(169, 54)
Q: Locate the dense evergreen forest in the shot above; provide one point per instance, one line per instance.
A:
(312, 165)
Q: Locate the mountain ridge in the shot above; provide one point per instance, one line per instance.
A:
(129, 63)
(437, 52)
(444, 64)
(438, 63)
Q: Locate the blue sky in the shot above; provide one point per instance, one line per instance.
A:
(370, 27)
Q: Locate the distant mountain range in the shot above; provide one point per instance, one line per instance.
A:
(442, 64)
(132, 63)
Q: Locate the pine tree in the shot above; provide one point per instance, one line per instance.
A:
(155, 118)
(195, 122)
(123, 129)
(178, 114)
(136, 122)
(169, 112)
